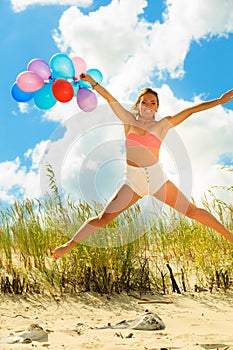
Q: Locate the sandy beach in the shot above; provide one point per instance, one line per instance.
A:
(193, 321)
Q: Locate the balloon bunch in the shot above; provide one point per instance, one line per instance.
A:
(56, 81)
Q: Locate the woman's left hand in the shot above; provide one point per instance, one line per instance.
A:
(226, 97)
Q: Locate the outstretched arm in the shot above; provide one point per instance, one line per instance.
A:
(125, 116)
(181, 116)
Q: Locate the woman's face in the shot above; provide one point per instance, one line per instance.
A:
(148, 105)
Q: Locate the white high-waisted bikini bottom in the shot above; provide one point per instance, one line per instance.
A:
(145, 180)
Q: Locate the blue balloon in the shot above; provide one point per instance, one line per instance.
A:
(84, 84)
(95, 74)
(20, 95)
(62, 66)
(44, 98)
(76, 86)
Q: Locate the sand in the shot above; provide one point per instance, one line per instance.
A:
(193, 321)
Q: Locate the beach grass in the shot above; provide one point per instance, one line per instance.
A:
(123, 256)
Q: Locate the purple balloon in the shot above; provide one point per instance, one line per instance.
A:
(86, 99)
(40, 67)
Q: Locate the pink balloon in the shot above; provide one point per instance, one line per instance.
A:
(86, 99)
(29, 81)
(40, 67)
(79, 66)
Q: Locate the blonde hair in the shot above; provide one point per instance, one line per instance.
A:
(143, 92)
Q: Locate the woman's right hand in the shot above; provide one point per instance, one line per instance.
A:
(83, 76)
(87, 77)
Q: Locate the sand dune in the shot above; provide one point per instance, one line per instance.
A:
(192, 322)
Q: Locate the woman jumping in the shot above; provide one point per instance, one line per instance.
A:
(144, 173)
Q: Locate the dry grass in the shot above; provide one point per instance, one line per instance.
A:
(31, 229)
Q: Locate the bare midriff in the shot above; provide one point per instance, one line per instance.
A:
(142, 150)
(141, 156)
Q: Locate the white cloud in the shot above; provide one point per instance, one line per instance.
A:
(61, 111)
(87, 154)
(199, 18)
(36, 154)
(170, 41)
(5, 197)
(107, 38)
(205, 137)
(130, 52)
(87, 143)
(23, 107)
(94, 143)
(16, 182)
(21, 5)
(128, 49)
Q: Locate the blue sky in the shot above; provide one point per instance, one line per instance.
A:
(24, 36)
(184, 52)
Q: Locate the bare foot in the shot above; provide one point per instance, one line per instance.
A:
(63, 249)
(229, 236)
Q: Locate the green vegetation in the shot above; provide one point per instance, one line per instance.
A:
(199, 257)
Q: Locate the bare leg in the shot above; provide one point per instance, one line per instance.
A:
(121, 201)
(172, 196)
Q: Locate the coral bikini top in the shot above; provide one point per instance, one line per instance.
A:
(149, 141)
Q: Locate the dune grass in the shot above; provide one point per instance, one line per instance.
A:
(116, 259)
